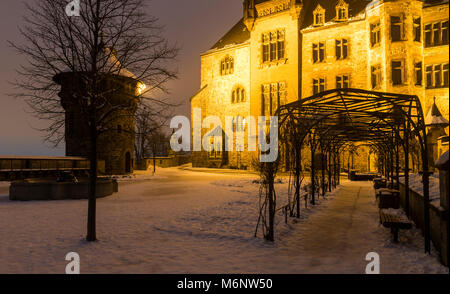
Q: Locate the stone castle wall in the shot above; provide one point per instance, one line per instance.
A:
(115, 143)
(297, 70)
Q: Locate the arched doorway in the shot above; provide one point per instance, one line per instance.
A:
(128, 162)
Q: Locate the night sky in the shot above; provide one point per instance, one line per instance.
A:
(194, 25)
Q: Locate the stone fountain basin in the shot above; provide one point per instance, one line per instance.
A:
(50, 189)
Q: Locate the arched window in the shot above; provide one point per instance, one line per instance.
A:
(238, 95)
(319, 16)
(342, 11)
(227, 65)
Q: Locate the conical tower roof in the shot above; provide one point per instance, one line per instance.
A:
(434, 117)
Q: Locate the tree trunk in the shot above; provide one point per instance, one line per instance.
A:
(91, 224)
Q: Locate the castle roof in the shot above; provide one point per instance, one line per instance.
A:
(108, 64)
(434, 2)
(237, 35)
(114, 66)
(355, 7)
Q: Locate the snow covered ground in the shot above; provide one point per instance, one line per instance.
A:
(182, 221)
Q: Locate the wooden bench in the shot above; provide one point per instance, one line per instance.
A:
(379, 183)
(388, 198)
(395, 223)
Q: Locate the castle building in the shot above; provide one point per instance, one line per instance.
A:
(283, 50)
(115, 143)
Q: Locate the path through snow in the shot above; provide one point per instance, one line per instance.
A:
(190, 222)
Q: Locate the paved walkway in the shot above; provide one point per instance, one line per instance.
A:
(340, 235)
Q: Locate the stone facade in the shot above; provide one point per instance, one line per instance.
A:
(291, 49)
(115, 144)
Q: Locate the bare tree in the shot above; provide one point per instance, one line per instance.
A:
(110, 38)
(150, 121)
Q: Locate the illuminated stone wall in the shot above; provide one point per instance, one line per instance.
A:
(356, 65)
(115, 145)
(215, 98)
(436, 55)
(296, 70)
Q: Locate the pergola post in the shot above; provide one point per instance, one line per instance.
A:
(406, 139)
(348, 165)
(323, 171)
(313, 167)
(386, 163)
(391, 164)
(298, 167)
(397, 161)
(334, 167)
(426, 193)
(339, 168)
(329, 170)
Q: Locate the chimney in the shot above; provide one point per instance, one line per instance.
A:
(249, 13)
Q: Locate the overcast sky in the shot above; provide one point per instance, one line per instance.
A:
(195, 25)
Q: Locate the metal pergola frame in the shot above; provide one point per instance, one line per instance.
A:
(334, 118)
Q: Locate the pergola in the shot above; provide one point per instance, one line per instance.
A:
(331, 120)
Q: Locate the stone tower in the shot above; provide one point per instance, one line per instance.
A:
(115, 145)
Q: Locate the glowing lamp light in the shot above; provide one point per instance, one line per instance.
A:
(141, 88)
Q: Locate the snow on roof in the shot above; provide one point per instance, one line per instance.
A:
(434, 117)
(442, 162)
(114, 66)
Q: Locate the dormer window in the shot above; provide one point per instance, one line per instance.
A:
(319, 16)
(342, 11)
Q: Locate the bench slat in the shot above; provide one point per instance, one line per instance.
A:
(394, 221)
